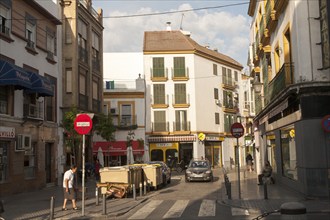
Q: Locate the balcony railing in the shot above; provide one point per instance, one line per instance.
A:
(181, 100)
(4, 30)
(160, 102)
(180, 73)
(83, 102)
(83, 54)
(181, 126)
(125, 122)
(160, 127)
(159, 74)
(283, 78)
(270, 16)
(35, 111)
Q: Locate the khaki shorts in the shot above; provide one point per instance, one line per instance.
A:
(71, 194)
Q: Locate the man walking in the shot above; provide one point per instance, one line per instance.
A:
(68, 188)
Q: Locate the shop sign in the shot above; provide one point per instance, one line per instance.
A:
(210, 138)
(164, 145)
(7, 132)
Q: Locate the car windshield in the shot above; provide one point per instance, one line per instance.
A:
(199, 164)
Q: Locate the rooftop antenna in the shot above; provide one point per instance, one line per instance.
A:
(181, 21)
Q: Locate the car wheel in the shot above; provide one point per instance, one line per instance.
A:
(169, 180)
(211, 179)
(186, 179)
(164, 180)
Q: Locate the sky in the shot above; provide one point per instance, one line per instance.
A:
(220, 24)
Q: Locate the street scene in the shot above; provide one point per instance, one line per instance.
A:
(201, 109)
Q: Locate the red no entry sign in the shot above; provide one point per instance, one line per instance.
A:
(326, 123)
(83, 124)
(237, 130)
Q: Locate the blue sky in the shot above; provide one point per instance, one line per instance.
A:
(224, 25)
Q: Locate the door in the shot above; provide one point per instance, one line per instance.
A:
(48, 161)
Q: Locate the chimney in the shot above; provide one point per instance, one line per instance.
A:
(168, 26)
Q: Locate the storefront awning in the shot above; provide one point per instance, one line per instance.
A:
(41, 85)
(177, 138)
(10, 74)
(117, 148)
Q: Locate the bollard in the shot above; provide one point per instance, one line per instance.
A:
(140, 189)
(145, 187)
(97, 196)
(51, 216)
(265, 191)
(292, 211)
(134, 191)
(104, 205)
(229, 190)
(148, 182)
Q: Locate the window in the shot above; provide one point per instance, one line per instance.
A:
(159, 94)
(180, 94)
(96, 101)
(216, 93)
(32, 106)
(179, 67)
(289, 153)
(159, 121)
(277, 56)
(228, 101)
(325, 38)
(82, 40)
(158, 69)
(229, 119)
(51, 45)
(224, 75)
(181, 123)
(217, 118)
(4, 146)
(68, 83)
(236, 75)
(4, 20)
(68, 31)
(95, 51)
(82, 84)
(215, 69)
(51, 101)
(126, 115)
(30, 31)
(6, 97)
(29, 162)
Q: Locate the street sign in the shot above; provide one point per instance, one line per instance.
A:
(326, 123)
(83, 124)
(237, 130)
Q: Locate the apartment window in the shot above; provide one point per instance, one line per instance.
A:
(68, 83)
(96, 101)
(4, 20)
(229, 119)
(217, 118)
(215, 69)
(95, 51)
(159, 94)
(325, 38)
(229, 77)
(82, 40)
(224, 75)
(30, 161)
(32, 106)
(95, 90)
(277, 56)
(68, 31)
(228, 101)
(4, 146)
(289, 153)
(159, 121)
(51, 101)
(180, 93)
(126, 116)
(181, 123)
(158, 69)
(179, 67)
(51, 45)
(236, 75)
(216, 93)
(82, 84)
(4, 99)
(30, 31)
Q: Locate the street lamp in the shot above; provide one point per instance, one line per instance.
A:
(257, 85)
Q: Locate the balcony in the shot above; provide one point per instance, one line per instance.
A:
(279, 6)
(264, 35)
(126, 122)
(229, 83)
(230, 107)
(181, 101)
(181, 126)
(160, 127)
(4, 30)
(83, 102)
(159, 74)
(88, 6)
(35, 111)
(270, 16)
(180, 74)
(283, 79)
(160, 102)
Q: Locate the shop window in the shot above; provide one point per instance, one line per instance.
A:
(29, 161)
(157, 155)
(4, 145)
(289, 153)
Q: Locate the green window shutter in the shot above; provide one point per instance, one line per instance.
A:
(179, 67)
(224, 75)
(180, 93)
(158, 67)
(159, 121)
(159, 94)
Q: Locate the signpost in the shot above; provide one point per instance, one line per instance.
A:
(326, 123)
(237, 130)
(83, 125)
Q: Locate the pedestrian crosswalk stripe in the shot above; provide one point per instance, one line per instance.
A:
(239, 211)
(207, 208)
(177, 209)
(147, 209)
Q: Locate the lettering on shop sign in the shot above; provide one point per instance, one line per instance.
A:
(164, 145)
(7, 132)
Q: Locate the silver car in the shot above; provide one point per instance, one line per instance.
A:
(199, 170)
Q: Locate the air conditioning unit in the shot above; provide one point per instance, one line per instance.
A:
(113, 111)
(23, 142)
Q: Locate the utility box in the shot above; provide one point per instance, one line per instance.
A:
(153, 174)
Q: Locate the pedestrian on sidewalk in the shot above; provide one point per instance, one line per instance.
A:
(97, 167)
(266, 173)
(69, 189)
(249, 162)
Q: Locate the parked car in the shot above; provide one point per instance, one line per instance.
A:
(199, 170)
(166, 171)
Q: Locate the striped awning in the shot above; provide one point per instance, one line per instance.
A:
(177, 138)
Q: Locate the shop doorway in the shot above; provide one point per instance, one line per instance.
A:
(186, 152)
(48, 161)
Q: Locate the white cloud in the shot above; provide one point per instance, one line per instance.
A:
(227, 32)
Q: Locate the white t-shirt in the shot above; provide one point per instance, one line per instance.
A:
(68, 175)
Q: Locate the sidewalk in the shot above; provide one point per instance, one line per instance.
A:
(253, 198)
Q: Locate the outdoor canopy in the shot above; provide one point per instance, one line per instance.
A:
(10, 74)
(40, 85)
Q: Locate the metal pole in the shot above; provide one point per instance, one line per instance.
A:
(51, 208)
(265, 190)
(104, 205)
(83, 178)
(238, 172)
(97, 195)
